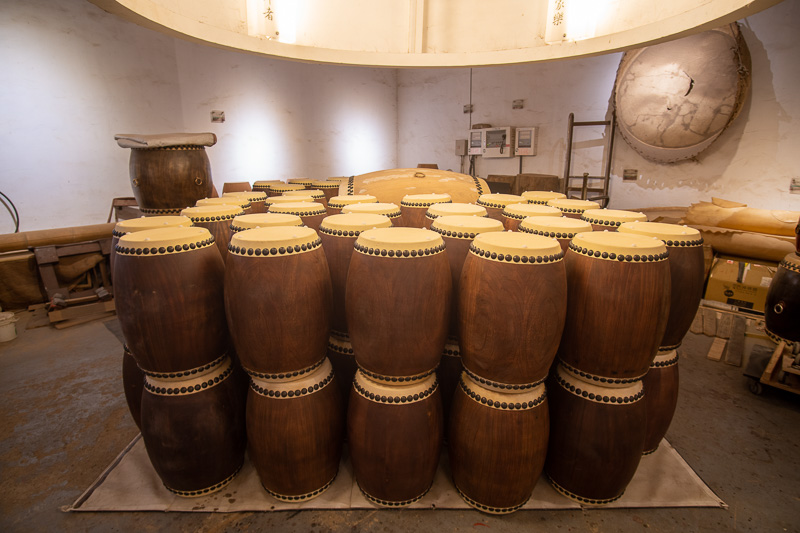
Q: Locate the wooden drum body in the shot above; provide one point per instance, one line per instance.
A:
(263, 220)
(395, 438)
(391, 211)
(398, 300)
(166, 180)
(495, 203)
(169, 298)
(133, 384)
(782, 309)
(278, 299)
(414, 206)
(338, 234)
(337, 203)
(541, 197)
(340, 354)
(452, 209)
(618, 288)
(277, 189)
(596, 436)
(216, 219)
(660, 397)
(256, 199)
(512, 303)
(123, 227)
(498, 444)
(294, 433)
(514, 214)
(311, 213)
(328, 188)
(561, 228)
(193, 428)
(572, 208)
(610, 219)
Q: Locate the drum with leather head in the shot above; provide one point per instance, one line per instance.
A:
(513, 214)
(316, 195)
(496, 202)
(216, 219)
(329, 188)
(241, 201)
(414, 207)
(610, 219)
(123, 227)
(311, 213)
(572, 208)
(256, 199)
(263, 185)
(541, 197)
(264, 220)
(337, 203)
(305, 182)
(277, 189)
(278, 299)
(452, 209)
(391, 211)
(563, 229)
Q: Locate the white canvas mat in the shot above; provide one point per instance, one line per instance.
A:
(131, 484)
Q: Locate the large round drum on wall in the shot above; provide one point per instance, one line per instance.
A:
(392, 185)
(395, 436)
(674, 99)
(398, 300)
(169, 172)
(512, 302)
(278, 299)
(618, 298)
(169, 298)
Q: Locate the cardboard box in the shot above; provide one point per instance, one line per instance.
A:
(740, 282)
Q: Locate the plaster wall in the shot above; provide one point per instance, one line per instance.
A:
(752, 161)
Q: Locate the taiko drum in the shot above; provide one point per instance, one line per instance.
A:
(241, 201)
(392, 211)
(395, 438)
(124, 227)
(263, 220)
(571, 207)
(328, 188)
(277, 189)
(338, 234)
(512, 303)
(513, 214)
(561, 228)
(618, 299)
(449, 373)
(337, 203)
(414, 207)
(596, 436)
(133, 384)
(216, 219)
(316, 195)
(193, 427)
(311, 213)
(398, 300)
(340, 354)
(610, 219)
(263, 185)
(497, 444)
(496, 202)
(256, 199)
(294, 432)
(661, 385)
(305, 182)
(541, 197)
(452, 209)
(169, 298)
(782, 308)
(278, 299)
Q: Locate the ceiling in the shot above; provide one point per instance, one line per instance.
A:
(431, 33)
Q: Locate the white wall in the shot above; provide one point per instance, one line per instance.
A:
(752, 162)
(73, 76)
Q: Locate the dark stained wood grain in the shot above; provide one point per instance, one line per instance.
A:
(660, 399)
(170, 178)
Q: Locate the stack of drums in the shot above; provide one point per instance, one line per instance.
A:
(241, 201)
(338, 234)
(278, 305)
(496, 202)
(512, 305)
(169, 288)
(458, 232)
(398, 304)
(311, 213)
(513, 214)
(561, 228)
(337, 203)
(389, 210)
(315, 194)
(782, 308)
(277, 189)
(305, 182)
(452, 209)
(414, 207)
(685, 247)
(572, 208)
(263, 185)
(610, 219)
(256, 199)
(329, 188)
(216, 219)
(618, 297)
(263, 220)
(541, 197)
(132, 376)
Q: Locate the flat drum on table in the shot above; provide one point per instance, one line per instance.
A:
(294, 432)
(193, 427)
(169, 298)
(618, 298)
(596, 436)
(398, 300)
(395, 438)
(278, 299)
(512, 303)
(497, 444)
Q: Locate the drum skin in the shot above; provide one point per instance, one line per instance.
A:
(561, 228)
(392, 185)
(165, 180)
(595, 445)
(295, 442)
(195, 441)
(782, 307)
(660, 398)
(413, 208)
(133, 384)
(394, 447)
(511, 314)
(616, 313)
(278, 307)
(497, 453)
(398, 309)
(170, 306)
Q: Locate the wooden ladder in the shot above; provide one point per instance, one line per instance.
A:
(599, 192)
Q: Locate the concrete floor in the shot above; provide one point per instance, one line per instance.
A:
(65, 419)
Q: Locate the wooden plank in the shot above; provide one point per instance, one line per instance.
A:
(735, 351)
(45, 255)
(717, 349)
(773, 362)
(79, 311)
(710, 322)
(697, 323)
(82, 320)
